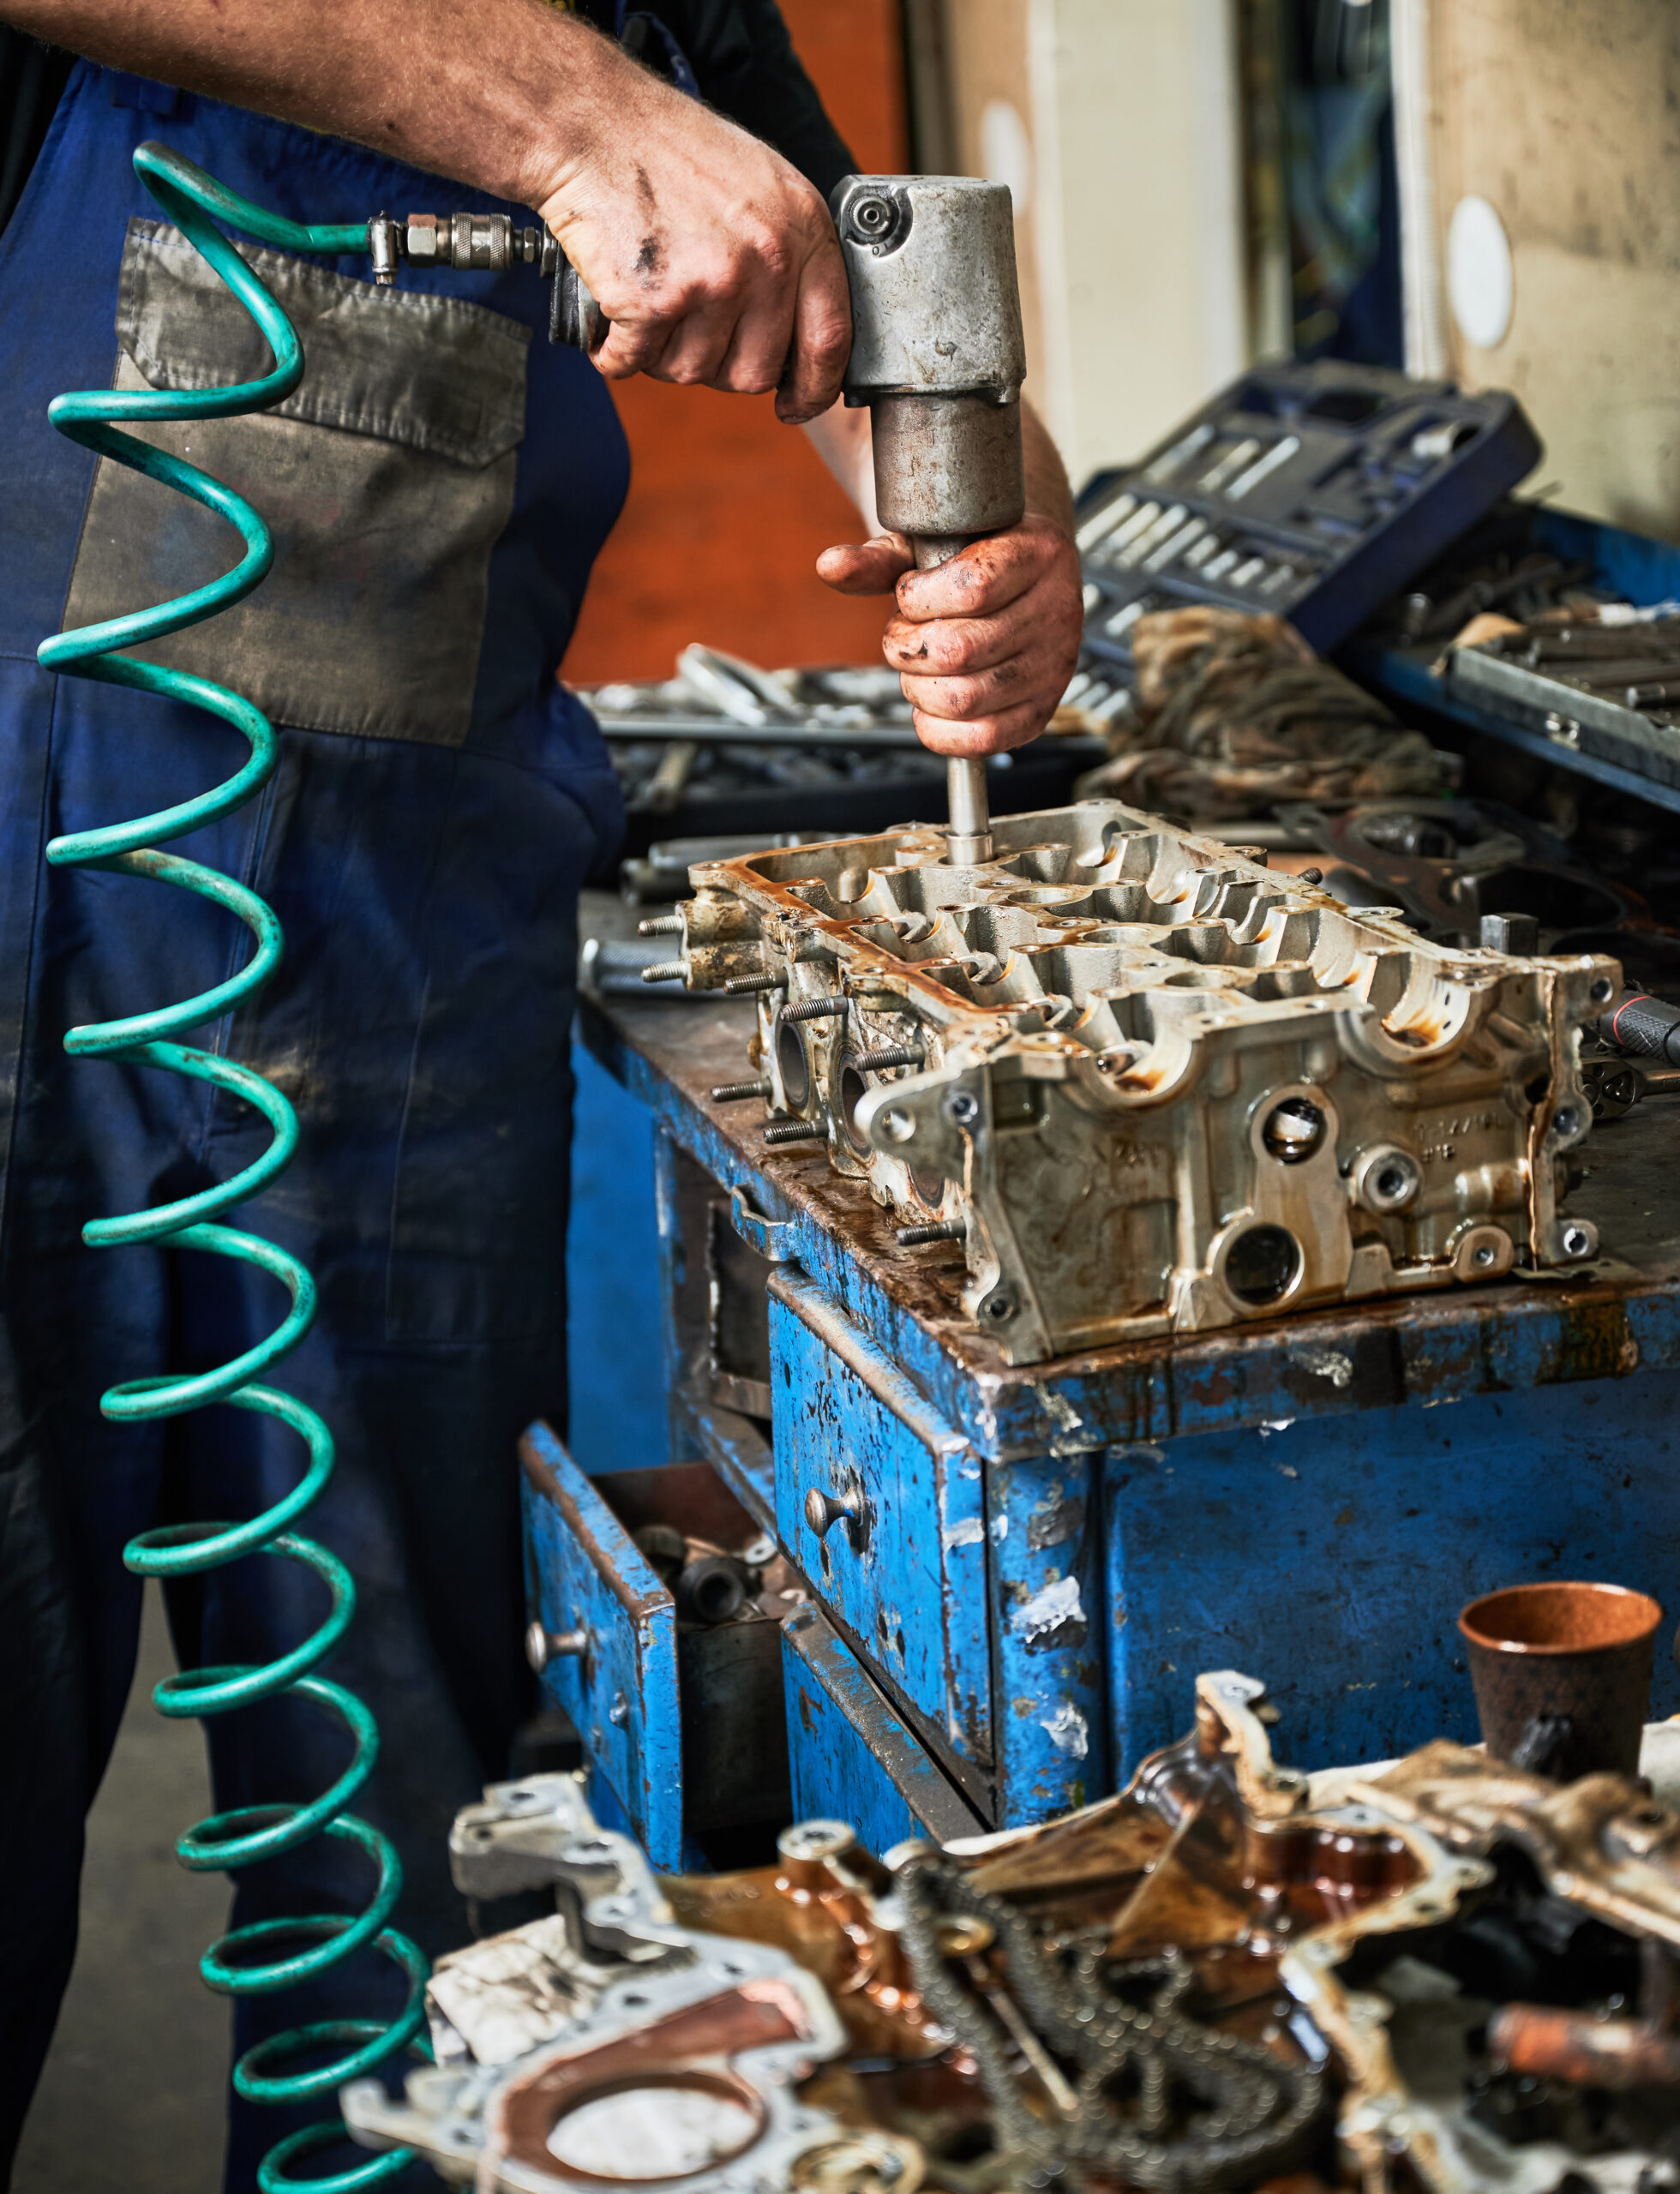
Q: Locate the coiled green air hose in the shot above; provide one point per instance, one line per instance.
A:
(242, 1962)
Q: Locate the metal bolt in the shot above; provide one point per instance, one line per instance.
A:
(1565, 1120)
(740, 986)
(1311, 876)
(1001, 1305)
(660, 926)
(796, 1131)
(619, 1712)
(543, 1646)
(963, 1107)
(665, 971)
(1577, 1242)
(816, 1839)
(816, 1009)
(893, 1055)
(940, 1230)
(824, 1510)
(732, 1093)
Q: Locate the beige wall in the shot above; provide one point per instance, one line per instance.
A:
(1565, 114)
(1129, 244)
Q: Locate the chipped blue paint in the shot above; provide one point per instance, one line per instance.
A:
(906, 1574)
(584, 1573)
(1044, 1518)
(1331, 1557)
(853, 1759)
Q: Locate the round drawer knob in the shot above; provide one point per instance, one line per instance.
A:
(823, 1511)
(543, 1646)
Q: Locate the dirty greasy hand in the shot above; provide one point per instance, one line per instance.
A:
(985, 645)
(714, 259)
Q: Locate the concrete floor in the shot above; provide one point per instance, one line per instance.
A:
(131, 2100)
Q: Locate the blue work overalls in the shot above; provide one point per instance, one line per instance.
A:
(438, 803)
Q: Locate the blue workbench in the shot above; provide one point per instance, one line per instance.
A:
(1026, 1567)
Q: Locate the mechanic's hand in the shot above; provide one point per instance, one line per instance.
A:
(713, 258)
(985, 645)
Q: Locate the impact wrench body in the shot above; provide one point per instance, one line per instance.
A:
(937, 356)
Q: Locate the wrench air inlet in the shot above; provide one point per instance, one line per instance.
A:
(271, 1955)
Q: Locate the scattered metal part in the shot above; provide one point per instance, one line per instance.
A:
(939, 1230)
(1217, 1066)
(696, 2041)
(1155, 1990)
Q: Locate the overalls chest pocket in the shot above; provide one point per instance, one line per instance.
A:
(387, 477)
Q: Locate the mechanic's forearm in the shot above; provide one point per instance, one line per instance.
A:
(1049, 494)
(505, 97)
(842, 440)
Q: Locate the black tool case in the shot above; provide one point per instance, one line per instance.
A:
(1314, 489)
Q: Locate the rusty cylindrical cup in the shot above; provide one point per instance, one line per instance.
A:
(1562, 1674)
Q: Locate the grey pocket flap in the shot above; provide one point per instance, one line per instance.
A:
(434, 372)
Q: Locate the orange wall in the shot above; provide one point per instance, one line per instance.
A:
(727, 509)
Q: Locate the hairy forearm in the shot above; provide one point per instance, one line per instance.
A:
(504, 96)
(842, 440)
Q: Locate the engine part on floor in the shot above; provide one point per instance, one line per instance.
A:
(263, 1957)
(1232, 1975)
(610, 2036)
(1234, 713)
(1451, 865)
(1155, 1087)
(939, 356)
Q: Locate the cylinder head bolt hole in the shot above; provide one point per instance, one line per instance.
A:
(1263, 1264)
(1294, 1129)
(796, 1073)
(1386, 1179)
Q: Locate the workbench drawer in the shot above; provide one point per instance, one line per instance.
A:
(881, 1504)
(853, 1759)
(607, 1649)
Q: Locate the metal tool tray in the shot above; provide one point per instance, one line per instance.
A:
(1569, 713)
(1313, 491)
(1541, 715)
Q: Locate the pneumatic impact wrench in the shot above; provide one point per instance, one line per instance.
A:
(937, 356)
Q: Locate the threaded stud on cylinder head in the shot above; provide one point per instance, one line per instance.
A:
(816, 1009)
(892, 1055)
(660, 926)
(795, 1131)
(738, 986)
(664, 971)
(939, 1230)
(731, 1093)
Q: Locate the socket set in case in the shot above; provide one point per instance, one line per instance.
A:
(1313, 491)
(1608, 686)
